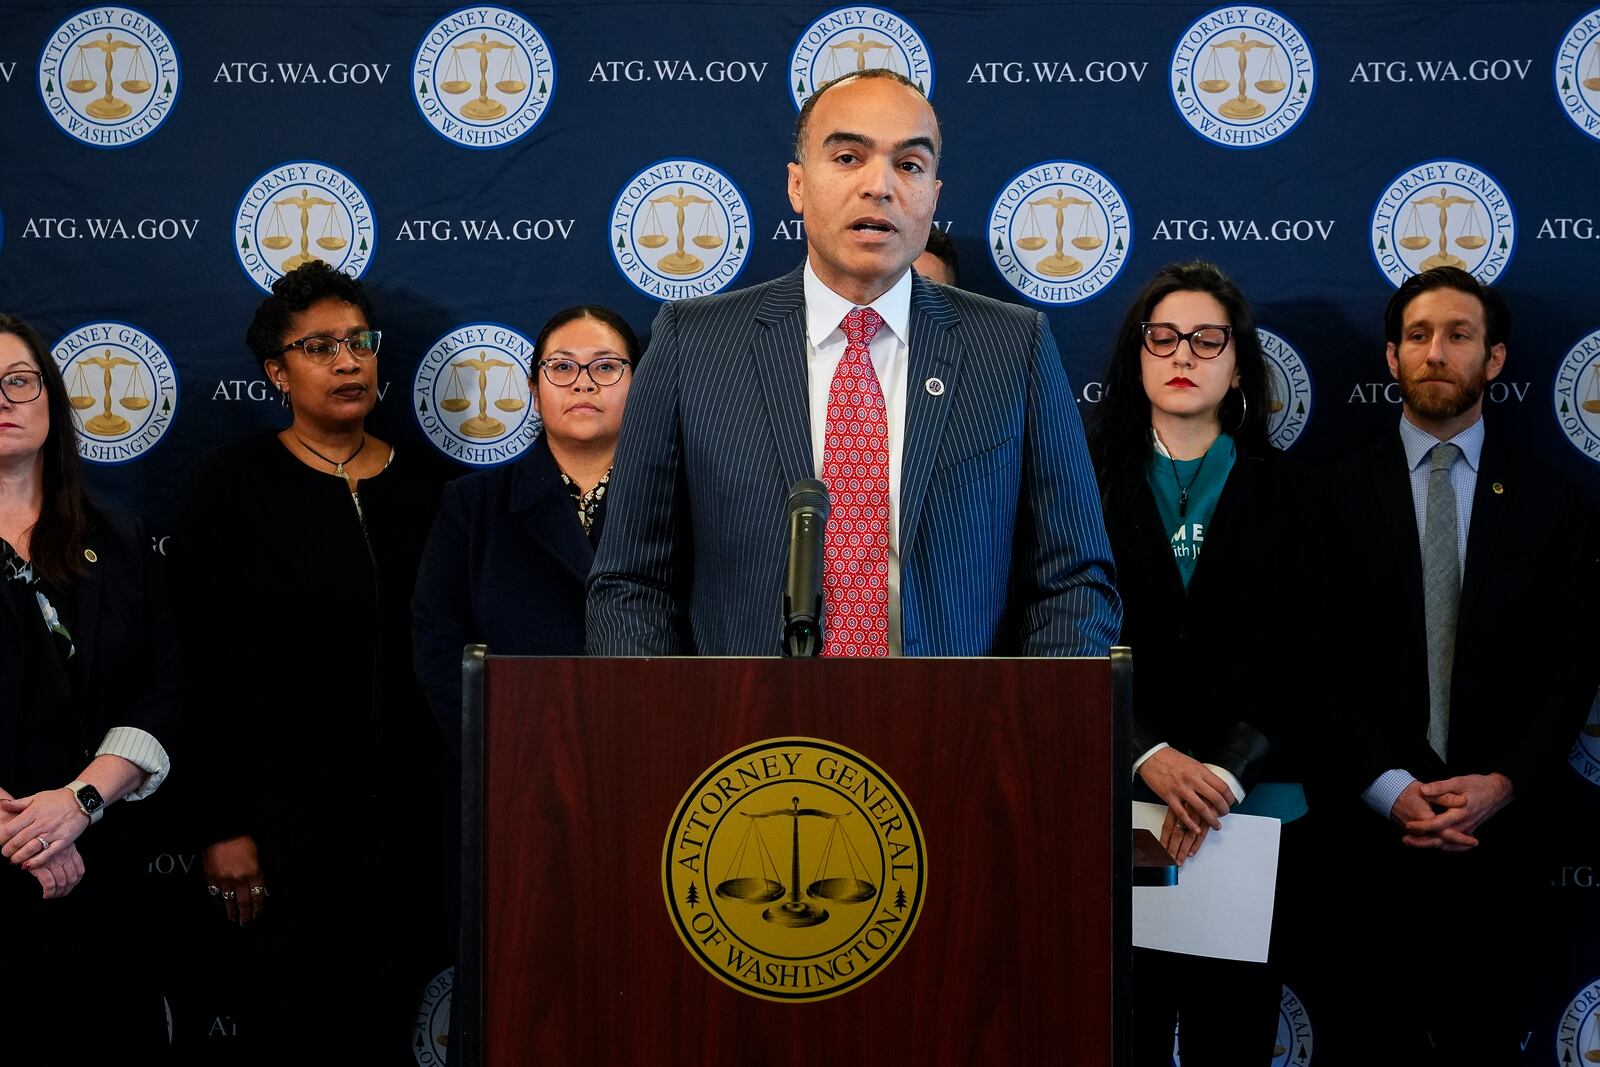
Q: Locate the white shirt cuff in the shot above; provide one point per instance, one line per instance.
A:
(1386, 789)
(1229, 780)
(1140, 761)
(143, 751)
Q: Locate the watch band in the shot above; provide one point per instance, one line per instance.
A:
(89, 800)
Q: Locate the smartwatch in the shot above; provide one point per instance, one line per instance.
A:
(90, 801)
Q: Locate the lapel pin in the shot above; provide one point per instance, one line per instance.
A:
(1498, 488)
(89, 555)
(934, 386)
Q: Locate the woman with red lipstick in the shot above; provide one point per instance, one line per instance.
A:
(297, 551)
(1196, 504)
(90, 693)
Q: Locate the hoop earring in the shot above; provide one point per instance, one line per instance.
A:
(1244, 410)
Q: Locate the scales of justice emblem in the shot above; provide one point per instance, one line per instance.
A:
(1415, 236)
(1270, 83)
(708, 235)
(794, 869)
(1088, 235)
(136, 80)
(510, 396)
(512, 80)
(331, 235)
(849, 886)
(134, 395)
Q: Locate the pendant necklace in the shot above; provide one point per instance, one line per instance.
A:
(338, 465)
(1183, 490)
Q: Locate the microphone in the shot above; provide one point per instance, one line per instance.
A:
(802, 598)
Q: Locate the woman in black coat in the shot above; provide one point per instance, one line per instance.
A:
(1196, 503)
(511, 549)
(90, 687)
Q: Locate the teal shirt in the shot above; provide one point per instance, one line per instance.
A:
(1203, 478)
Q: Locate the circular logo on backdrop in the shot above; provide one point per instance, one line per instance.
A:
(300, 211)
(855, 38)
(680, 228)
(1577, 74)
(794, 869)
(1059, 232)
(1443, 213)
(471, 397)
(1290, 389)
(122, 387)
(483, 76)
(1577, 396)
(1578, 1032)
(108, 76)
(430, 1031)
(1242, 76)
(1585, 755)
(1293, 1045)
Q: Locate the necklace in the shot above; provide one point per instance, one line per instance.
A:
(338, 465)
(1183, 490)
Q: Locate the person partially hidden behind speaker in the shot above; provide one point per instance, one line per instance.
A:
(1460, 573)
(1197, 505)
(965, 520)
(90, 696)
(511, 548)
(297, 551)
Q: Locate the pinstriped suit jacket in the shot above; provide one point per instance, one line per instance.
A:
(1002, 546)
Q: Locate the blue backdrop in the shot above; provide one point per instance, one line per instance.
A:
(484, 166)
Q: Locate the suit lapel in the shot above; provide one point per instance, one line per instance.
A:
(935, 352)
(541, 503)
(88, 593)
(1239, 487)
(779, 352)
(1488, 518)
(1399, 520)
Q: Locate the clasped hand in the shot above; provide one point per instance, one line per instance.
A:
(1446, 814)
(58, 868)
(1196, 800)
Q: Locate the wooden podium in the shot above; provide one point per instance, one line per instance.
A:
(574, 770)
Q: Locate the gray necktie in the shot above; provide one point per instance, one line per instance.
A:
(1441, 591)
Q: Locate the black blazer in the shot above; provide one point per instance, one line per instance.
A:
(126, 665)
(1522, 678)
(505, 565)
(1205, 660)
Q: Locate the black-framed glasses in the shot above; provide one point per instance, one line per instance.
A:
(607, 370)
(1161, 339)
(21, 386)
(323, 350)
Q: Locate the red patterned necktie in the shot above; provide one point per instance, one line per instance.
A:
(855, 466)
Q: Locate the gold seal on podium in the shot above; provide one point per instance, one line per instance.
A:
(794, 869)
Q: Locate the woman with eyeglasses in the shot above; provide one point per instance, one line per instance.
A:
(297, 551)
(1197, 506)
(90, 695)
(510, 552)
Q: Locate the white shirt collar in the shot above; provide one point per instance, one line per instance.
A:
(825, 309)
(1419, 442)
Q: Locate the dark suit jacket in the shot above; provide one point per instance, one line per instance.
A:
(1522, 677)
(1209, 661)
(126, 664)
(1002, 549)
(505, 565)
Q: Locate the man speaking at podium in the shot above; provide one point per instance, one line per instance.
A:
(964, 520)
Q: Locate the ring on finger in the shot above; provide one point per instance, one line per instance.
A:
(215, 891)
(258, 891)
(228, 894)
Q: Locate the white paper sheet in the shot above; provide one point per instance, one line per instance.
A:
(1222, 904)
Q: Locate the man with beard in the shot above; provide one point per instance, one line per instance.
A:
(1455, 573)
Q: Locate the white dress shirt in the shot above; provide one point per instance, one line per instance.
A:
(889, 352)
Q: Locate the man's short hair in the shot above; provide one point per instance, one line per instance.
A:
(1496, 316)
(940, 245)
(804, 121)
